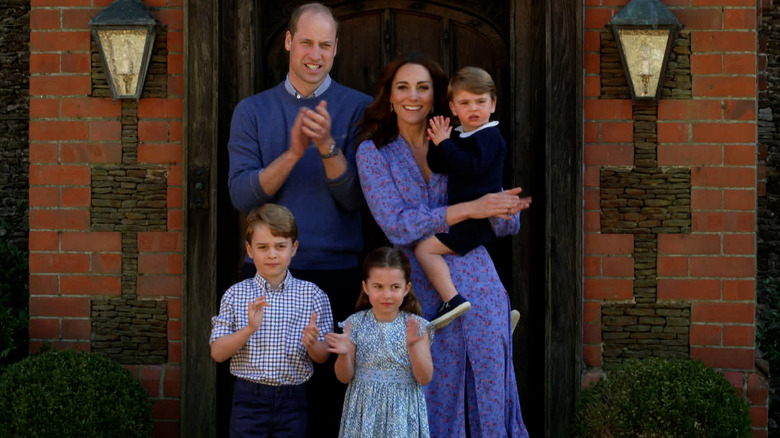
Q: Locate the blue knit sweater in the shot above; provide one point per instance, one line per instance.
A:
(327, 211)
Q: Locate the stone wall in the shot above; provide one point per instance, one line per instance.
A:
(14, 107)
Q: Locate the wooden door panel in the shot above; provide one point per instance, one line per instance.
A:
(360, 51)
(417, 32)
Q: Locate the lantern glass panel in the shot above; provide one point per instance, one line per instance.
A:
(124, 56)
(644, 51)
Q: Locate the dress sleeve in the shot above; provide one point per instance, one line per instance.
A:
(506, 227)
(404, 221)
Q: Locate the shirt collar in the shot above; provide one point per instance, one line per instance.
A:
(318, 92)
(264, 286)
(470, 133)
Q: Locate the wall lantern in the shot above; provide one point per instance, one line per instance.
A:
(124, 32)
(644, 31)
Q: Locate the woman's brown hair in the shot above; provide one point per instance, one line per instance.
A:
(387, 257)
(379, 123)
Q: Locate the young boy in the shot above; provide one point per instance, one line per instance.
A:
(271, 327)
(474, 161)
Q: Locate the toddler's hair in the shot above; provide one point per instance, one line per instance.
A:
(387, 257)
(277, 218)
(472, 79)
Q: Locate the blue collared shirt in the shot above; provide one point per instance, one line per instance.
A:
(318, 92)
(274, 354)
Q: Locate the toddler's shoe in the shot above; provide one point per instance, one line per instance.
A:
(450, 310)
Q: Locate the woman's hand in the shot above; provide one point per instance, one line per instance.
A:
(502, 204)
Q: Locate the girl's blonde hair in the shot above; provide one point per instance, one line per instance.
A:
(387, 257)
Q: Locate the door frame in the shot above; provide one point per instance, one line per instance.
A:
(549, 34)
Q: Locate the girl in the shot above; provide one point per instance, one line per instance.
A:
(384, 354)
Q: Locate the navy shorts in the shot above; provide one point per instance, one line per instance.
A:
(268, 411)
(467, 235)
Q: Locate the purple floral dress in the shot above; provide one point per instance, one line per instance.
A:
(473, 355)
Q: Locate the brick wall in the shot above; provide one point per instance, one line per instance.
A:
(670, 267)
(102, 277)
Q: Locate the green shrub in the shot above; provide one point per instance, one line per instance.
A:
(662, 398)
(14, 295)
(72, 394)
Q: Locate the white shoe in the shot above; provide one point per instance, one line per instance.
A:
(515, 316)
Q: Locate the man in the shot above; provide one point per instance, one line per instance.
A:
(294, 145)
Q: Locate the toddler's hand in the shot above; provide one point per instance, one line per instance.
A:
(338, 343)
(440, 129)
(311, 334)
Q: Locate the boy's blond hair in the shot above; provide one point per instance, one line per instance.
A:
(472, 79)
(277, 218)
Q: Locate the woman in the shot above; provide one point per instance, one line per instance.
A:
(472, 356)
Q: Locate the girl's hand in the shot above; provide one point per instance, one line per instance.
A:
(338, 343)
(311, 334)
(256, 310)
(502, 204)
(413, 335)
(440, 129)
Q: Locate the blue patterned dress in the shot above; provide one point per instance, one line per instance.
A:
(472, 357)
(383, 399)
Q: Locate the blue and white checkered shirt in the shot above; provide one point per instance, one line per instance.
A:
(274, 354)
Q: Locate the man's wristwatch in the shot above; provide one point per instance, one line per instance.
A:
(333, 150)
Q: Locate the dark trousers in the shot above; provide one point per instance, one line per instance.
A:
(268, 411)
(323, 390)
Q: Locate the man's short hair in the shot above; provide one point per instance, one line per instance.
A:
(277, 218)
(472, 79)
(315, 7)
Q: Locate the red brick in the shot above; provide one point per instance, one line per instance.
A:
(673, 132)
(166, 409)
(102, 263)
(608, 289)
(737, 155)
(59, 175)
(591, 354)
(91, 284)
(609, 155)
(175, 264)
(728, 267)
(44, 284)
(176, 63)
(673, 266)
(149, 130)
(592, 41)
(159, 241)
(174, 352)
(59, 219)
(173, 18)
(723, 177)
(91, 241)
(75, 197)
(706, 199)
(58, 262)
(592, 132)
(175, 41)
(688, 244)
(44, 19)
(597, 18)
(706, 64)
(740, 110)
(742, 244)
(60, 85)
(174, 330)
(176, 86)
(689, 110)
(592, 200)
(686, 289)
(59, 3)
(76, 329)
(153, 263)
(739, 290)
(43, 240)
(44, 108)
(151, 108)
(75, 63)
(44, 328)
(724, 132)
(81, 107)
(724, 358)
(91, 152)
(739, 199)
(739, 19)
(59, 306)
(709, 335)
(708, 222)
(78, 18)
(736, 64)
(591, 333)
(150, 379)
(175, 220)
(172, 381)
(175, 175)
(738, 336)
(58, 130)
(59, 41)
(44, 196)
(592, 86)
(44, 63)
(617, 132)
(591, 376)
(618, 266)
(105, 131)
(592, 312)
(724, 86)
(740, 313)
(160, 285)
(760, 416)
(609, 244)
(592, 221)
(60, 345)
(757, 389)
(696, 19)
(689, 155)
(44, 152)
(725, 41)
(174, 309)
(161, 429)
(176, 131)
(160, 153)
(608, 109)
